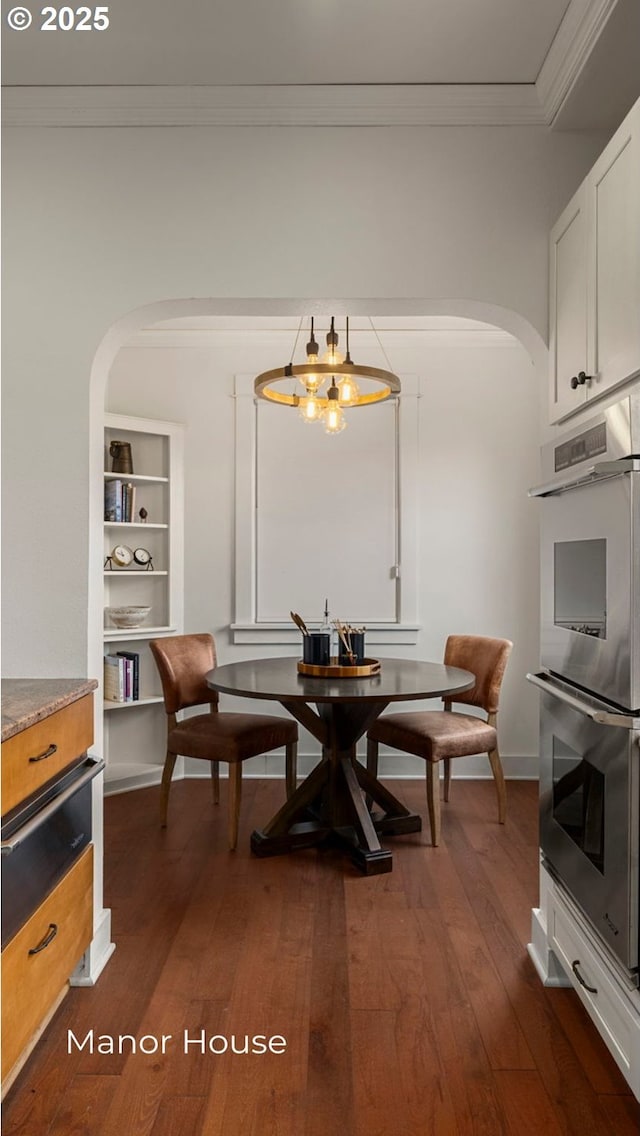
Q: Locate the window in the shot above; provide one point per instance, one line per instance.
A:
(326, 517)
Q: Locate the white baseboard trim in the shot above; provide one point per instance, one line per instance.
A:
(271, 767)
(141, 780)
(547, 966)
(97, 955)
(123, 776)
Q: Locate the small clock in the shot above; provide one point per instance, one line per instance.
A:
(143, 556)
(122, 555)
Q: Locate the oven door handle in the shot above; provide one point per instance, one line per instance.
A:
(601, 471)
(602, 717)
(8, 846)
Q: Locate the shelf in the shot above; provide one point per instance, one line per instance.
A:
(113, 572)
(133, 525)
(108, 705)
(134, 477)
(134, 743)
(116, 634)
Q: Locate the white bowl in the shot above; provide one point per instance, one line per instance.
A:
(131, 616)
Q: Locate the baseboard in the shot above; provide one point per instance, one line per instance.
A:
(97, 954)
(271, 767)
(547, 966)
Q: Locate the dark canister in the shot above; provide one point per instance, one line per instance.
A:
(316, 648)
(355, 639)
(121, 454)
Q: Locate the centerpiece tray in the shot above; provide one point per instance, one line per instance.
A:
(335, 669)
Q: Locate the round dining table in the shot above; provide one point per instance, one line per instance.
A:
(340, 802)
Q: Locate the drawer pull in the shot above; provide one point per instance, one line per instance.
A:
(574, 967)
(49, 937)
(47, 753)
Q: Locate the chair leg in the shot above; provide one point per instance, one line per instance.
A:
(433, 800)
(215, 781)
(501, 789)
(167, 774)
(372, 757)
(291, 759)
(235, 794)
(447, 777)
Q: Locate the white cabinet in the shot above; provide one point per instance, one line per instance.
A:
(595, 279)
(613, 272)
(567, 952)
(143, 561)
(568, 307)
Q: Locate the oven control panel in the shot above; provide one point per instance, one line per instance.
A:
(584, 446)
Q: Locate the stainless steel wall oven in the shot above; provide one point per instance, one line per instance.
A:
(590, 681)
(589, 809)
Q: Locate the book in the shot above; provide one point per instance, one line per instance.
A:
(133, 659)
(113, 500)
(127, 502)
(113, 679)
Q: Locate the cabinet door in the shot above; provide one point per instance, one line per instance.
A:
(613, 188)
(568, 308)
(37, 962)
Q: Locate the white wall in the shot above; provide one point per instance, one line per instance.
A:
(102, 222)
(477, 530)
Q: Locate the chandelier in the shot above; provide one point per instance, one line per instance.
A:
(328, 386)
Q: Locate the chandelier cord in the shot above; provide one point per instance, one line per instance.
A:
(380, 344)
(293, 353)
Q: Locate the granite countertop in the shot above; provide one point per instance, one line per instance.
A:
(28, 700)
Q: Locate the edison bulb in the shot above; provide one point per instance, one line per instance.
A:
(334, 419)
(348, 391)
(310, 409)
(311, 381)
(333, 357)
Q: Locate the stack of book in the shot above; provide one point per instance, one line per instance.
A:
(119, 500)
(121, 677)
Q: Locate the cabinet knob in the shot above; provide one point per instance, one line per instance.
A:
(579, 380)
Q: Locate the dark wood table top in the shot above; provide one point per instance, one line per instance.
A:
(399, 680)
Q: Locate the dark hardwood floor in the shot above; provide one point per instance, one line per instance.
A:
(408, 1001)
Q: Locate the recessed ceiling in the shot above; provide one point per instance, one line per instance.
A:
(269, 42)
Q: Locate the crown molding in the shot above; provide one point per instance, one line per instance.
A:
(483, 104)
(408, 105)
(575, 39)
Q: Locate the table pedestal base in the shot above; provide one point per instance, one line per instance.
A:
(330, 808)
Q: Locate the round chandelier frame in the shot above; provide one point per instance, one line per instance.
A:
(389, 383)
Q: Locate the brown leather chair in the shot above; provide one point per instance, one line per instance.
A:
(439, 735)
(183, 662)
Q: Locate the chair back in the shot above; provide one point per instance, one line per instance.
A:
(487, 660)
(183, 661)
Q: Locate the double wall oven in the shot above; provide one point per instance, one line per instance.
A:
(590, 677)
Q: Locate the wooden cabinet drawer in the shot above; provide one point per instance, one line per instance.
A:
(31, 983)
(608, 1005)
(29, 759)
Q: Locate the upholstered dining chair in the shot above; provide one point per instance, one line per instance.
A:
(183, 662)
(440, 735)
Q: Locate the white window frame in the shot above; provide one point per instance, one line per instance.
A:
(405, 627)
